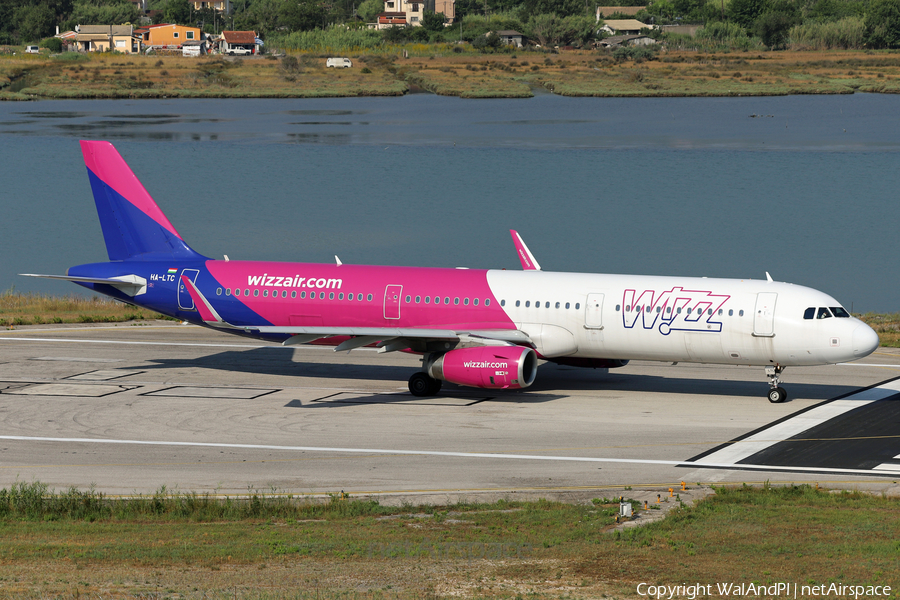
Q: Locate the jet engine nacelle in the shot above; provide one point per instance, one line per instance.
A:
(491, 367)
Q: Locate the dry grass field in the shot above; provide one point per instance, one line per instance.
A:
(517, 75)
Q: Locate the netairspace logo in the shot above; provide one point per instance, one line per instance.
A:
(755, 590)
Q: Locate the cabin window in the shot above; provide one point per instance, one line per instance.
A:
(824, 313)
(294, 294)
(528, 304)
(730, 312)
(246, 292)
(740, 313)
(487, 302)
(474, 301)
(840, 312)
(577, 305)
(678, 310)
(359, 297)
(658, 309)
(517, 303)
(408, 299)
(567, 306)
(265, 293)
(302, 295)
(427, 299)
(546, 305)
(465, 301)
(218, 291)
(618, 307)
(709, 311)
(537, 304)
(627, 308)
(446, 300)
(369, 297)
(237, 291)
(340, 296)
(284, 293)
(668, 310)
(255, 293)
(418, 299)
(557, 305)
(227, 291)
(720, 312)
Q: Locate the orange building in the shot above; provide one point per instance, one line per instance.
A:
(166, 34)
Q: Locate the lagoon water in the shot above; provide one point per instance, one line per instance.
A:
(804, 187)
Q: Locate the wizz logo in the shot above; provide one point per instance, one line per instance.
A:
(677, 309)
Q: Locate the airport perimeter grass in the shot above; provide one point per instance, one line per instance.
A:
(466, 74)
(268, 546)
(36, 309)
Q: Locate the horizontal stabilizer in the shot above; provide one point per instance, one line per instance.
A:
(132, 285)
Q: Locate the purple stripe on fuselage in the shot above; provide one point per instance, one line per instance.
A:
(271, 287)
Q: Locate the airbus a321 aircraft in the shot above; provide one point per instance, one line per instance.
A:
(480, 328)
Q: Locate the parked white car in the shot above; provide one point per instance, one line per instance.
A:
(239, 51)
(340, 63)
(32, 50)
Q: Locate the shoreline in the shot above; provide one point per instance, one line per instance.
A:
(517, 75)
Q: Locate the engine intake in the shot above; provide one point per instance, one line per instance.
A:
(489, 367)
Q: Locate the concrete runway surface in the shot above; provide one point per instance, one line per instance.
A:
(131, 407)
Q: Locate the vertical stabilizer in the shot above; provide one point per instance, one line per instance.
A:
(133, 225)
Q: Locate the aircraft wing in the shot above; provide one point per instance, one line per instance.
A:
(133, 285)
(393, 338)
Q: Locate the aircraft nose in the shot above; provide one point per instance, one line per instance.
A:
(865, 340)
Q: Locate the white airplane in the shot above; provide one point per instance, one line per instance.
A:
(479, 328)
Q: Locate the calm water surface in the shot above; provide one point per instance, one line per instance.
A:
(803, 187)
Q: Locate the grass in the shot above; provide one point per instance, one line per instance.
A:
(441, 70)
(887, 326)
(276, 546)
(36, 309)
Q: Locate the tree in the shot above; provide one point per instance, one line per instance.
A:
(178, 11)
(301, 16)
(773, 25)
(745, 12)
(433, 21)
(883, 24)
(34, 22)
(369, 10)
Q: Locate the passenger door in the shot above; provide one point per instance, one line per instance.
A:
(392, 301)
(593, 311)
(764, 315)
(185, 302)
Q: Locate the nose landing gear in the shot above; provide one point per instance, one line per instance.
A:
(776, 394)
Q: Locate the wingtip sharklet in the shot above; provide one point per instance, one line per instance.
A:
(529, 263)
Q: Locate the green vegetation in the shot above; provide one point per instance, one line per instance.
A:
(195, 545)
(35, 309)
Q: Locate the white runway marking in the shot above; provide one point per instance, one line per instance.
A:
(639, 461)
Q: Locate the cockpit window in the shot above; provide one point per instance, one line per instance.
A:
(824, 313)
(809, 313)
(840, 312)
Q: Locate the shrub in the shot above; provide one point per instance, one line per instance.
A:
(53, 44)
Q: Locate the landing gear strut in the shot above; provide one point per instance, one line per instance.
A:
(776, 393)
(420, 384)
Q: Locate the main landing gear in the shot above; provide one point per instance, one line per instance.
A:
(776, 393)
(420, 384)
